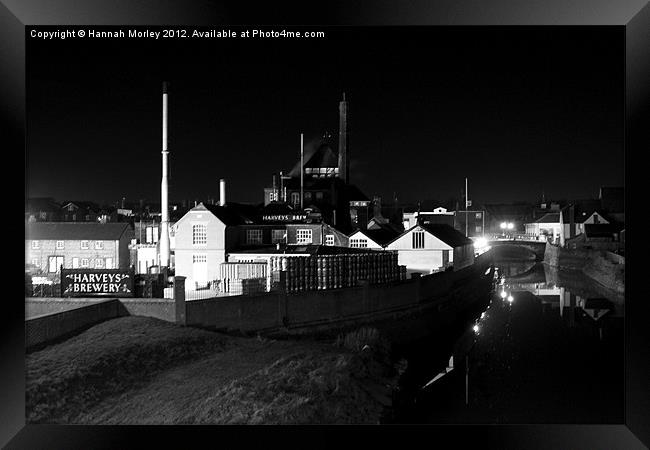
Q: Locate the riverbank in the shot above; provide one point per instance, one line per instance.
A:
(138, 370)
(606, 268)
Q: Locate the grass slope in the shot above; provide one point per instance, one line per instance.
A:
(137, 370)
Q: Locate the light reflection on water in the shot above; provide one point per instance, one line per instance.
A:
(547, 348)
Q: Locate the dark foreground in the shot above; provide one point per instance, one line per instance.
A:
(137, 370)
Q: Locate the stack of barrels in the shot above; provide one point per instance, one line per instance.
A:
(309, 273)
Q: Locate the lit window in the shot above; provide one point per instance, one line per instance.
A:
(278, 236)
(359, 243)
(99, 245)
(254, 236)
(295, 198)
(478, 215)
(55, 263)
(329, 239)
(36, 245)
(36, 262)
(84, 262)
(60, 245)
(199, 234)
(75, 263)
(99, 263)
(303, 236)
(479, 229)
(109, 263)
(418, 239)
(85, 245)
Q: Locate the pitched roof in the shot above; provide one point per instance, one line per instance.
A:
(233, 213)
(76, 230)
(447, 234)
(549, 218)
(323, 157)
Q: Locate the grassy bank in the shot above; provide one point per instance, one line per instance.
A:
(140, 370)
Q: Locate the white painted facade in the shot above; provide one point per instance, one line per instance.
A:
(200, 241)
(360, 240)
(579, 224)
(427, 253)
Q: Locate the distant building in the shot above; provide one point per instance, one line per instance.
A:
(50, 245)
(430, 248)
(326, 187)
(548, 226)
(42, 209)
(375, 238)
(574, 217)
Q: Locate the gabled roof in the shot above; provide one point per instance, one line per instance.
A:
(446, 233)
(549, 218)
(323, 157)
(76, 231)
(380, 236)
(232, 213)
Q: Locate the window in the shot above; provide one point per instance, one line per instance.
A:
(60, 245)
(199, 234)
(84, 245)
(418, 239)
(109, 263)
(303, 236)
(253, 236)
(75, 263)
(36, 262)
(54, 263)
(478, 215)
(199, 259)
(359, 243)
(36, 245)
(308, 196)
(278, 236)
(295, 198)
(329, 239)
(99, 245)
(479, 228)
(84, 262)
(99, 263)
(319, 195)
(149, 235)
(43, 215)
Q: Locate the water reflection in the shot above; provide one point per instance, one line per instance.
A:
(546, 348)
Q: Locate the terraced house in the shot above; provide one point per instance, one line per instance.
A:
(50, 245)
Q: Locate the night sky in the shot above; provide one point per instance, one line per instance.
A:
(517, 110)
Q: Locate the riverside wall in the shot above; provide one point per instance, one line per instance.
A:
(284, 311)
(604, 267)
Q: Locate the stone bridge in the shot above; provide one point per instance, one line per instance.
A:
(517, 247)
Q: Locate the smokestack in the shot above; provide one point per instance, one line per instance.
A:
(222, 192)
(343, 141)
(164, 200)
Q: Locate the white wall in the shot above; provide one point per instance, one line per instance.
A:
(371, 244)
(424, 260)
(214, 249)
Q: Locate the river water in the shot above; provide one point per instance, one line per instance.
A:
(544, 346)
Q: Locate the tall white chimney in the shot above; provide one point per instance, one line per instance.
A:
(222, 192)
(164, 200)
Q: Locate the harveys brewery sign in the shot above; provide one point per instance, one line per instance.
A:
(284, 217)
(96, 282)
